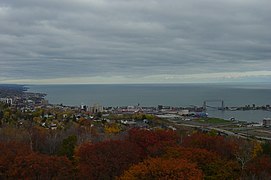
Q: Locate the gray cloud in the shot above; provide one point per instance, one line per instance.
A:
(88, 38)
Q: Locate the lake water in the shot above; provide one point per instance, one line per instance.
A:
(166, 94)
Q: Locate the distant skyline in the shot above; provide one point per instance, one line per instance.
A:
(122, 41)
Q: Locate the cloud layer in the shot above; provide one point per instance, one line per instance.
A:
(131, 41)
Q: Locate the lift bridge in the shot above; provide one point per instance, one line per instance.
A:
(214, 100)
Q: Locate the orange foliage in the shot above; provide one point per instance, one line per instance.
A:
(213, 166)
(200, 156)
(163, 169)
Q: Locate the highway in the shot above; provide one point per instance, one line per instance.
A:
(225, 132)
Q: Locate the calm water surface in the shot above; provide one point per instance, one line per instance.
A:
(166, 94)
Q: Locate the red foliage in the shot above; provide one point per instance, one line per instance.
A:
(221, 145)
(260, 168)
(8, 152)
(39, 166)
(153, 142)
(108, 159)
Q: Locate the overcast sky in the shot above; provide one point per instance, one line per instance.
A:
(134, 41)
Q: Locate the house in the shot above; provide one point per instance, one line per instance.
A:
(53, 126)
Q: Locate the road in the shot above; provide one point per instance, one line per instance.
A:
(225, 132)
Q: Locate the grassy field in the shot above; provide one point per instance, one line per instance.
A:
(212, 120)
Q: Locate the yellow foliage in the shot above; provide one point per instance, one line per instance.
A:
(37, 119)
(112, 128)
(257, 149)
(6, 115)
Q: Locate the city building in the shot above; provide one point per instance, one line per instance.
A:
(267, 122)
(96, 108)
(184, 112)
(7, 100)
(83, 107)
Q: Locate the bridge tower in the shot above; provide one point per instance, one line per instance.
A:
(215, 100)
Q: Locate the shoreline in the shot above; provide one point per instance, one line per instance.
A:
(227, 113)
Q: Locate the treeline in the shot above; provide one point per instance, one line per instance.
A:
(135, 154)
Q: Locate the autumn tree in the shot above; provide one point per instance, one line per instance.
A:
(213, 165)
(163, 169)
(40, 166)
(38, 138)
(105, 160)
(29, 127)
(246, 151)
(13, 134)
(153, 143)
(112, 128)
(52, 141)
(8, 152)
(219, 144)
(259, 168)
